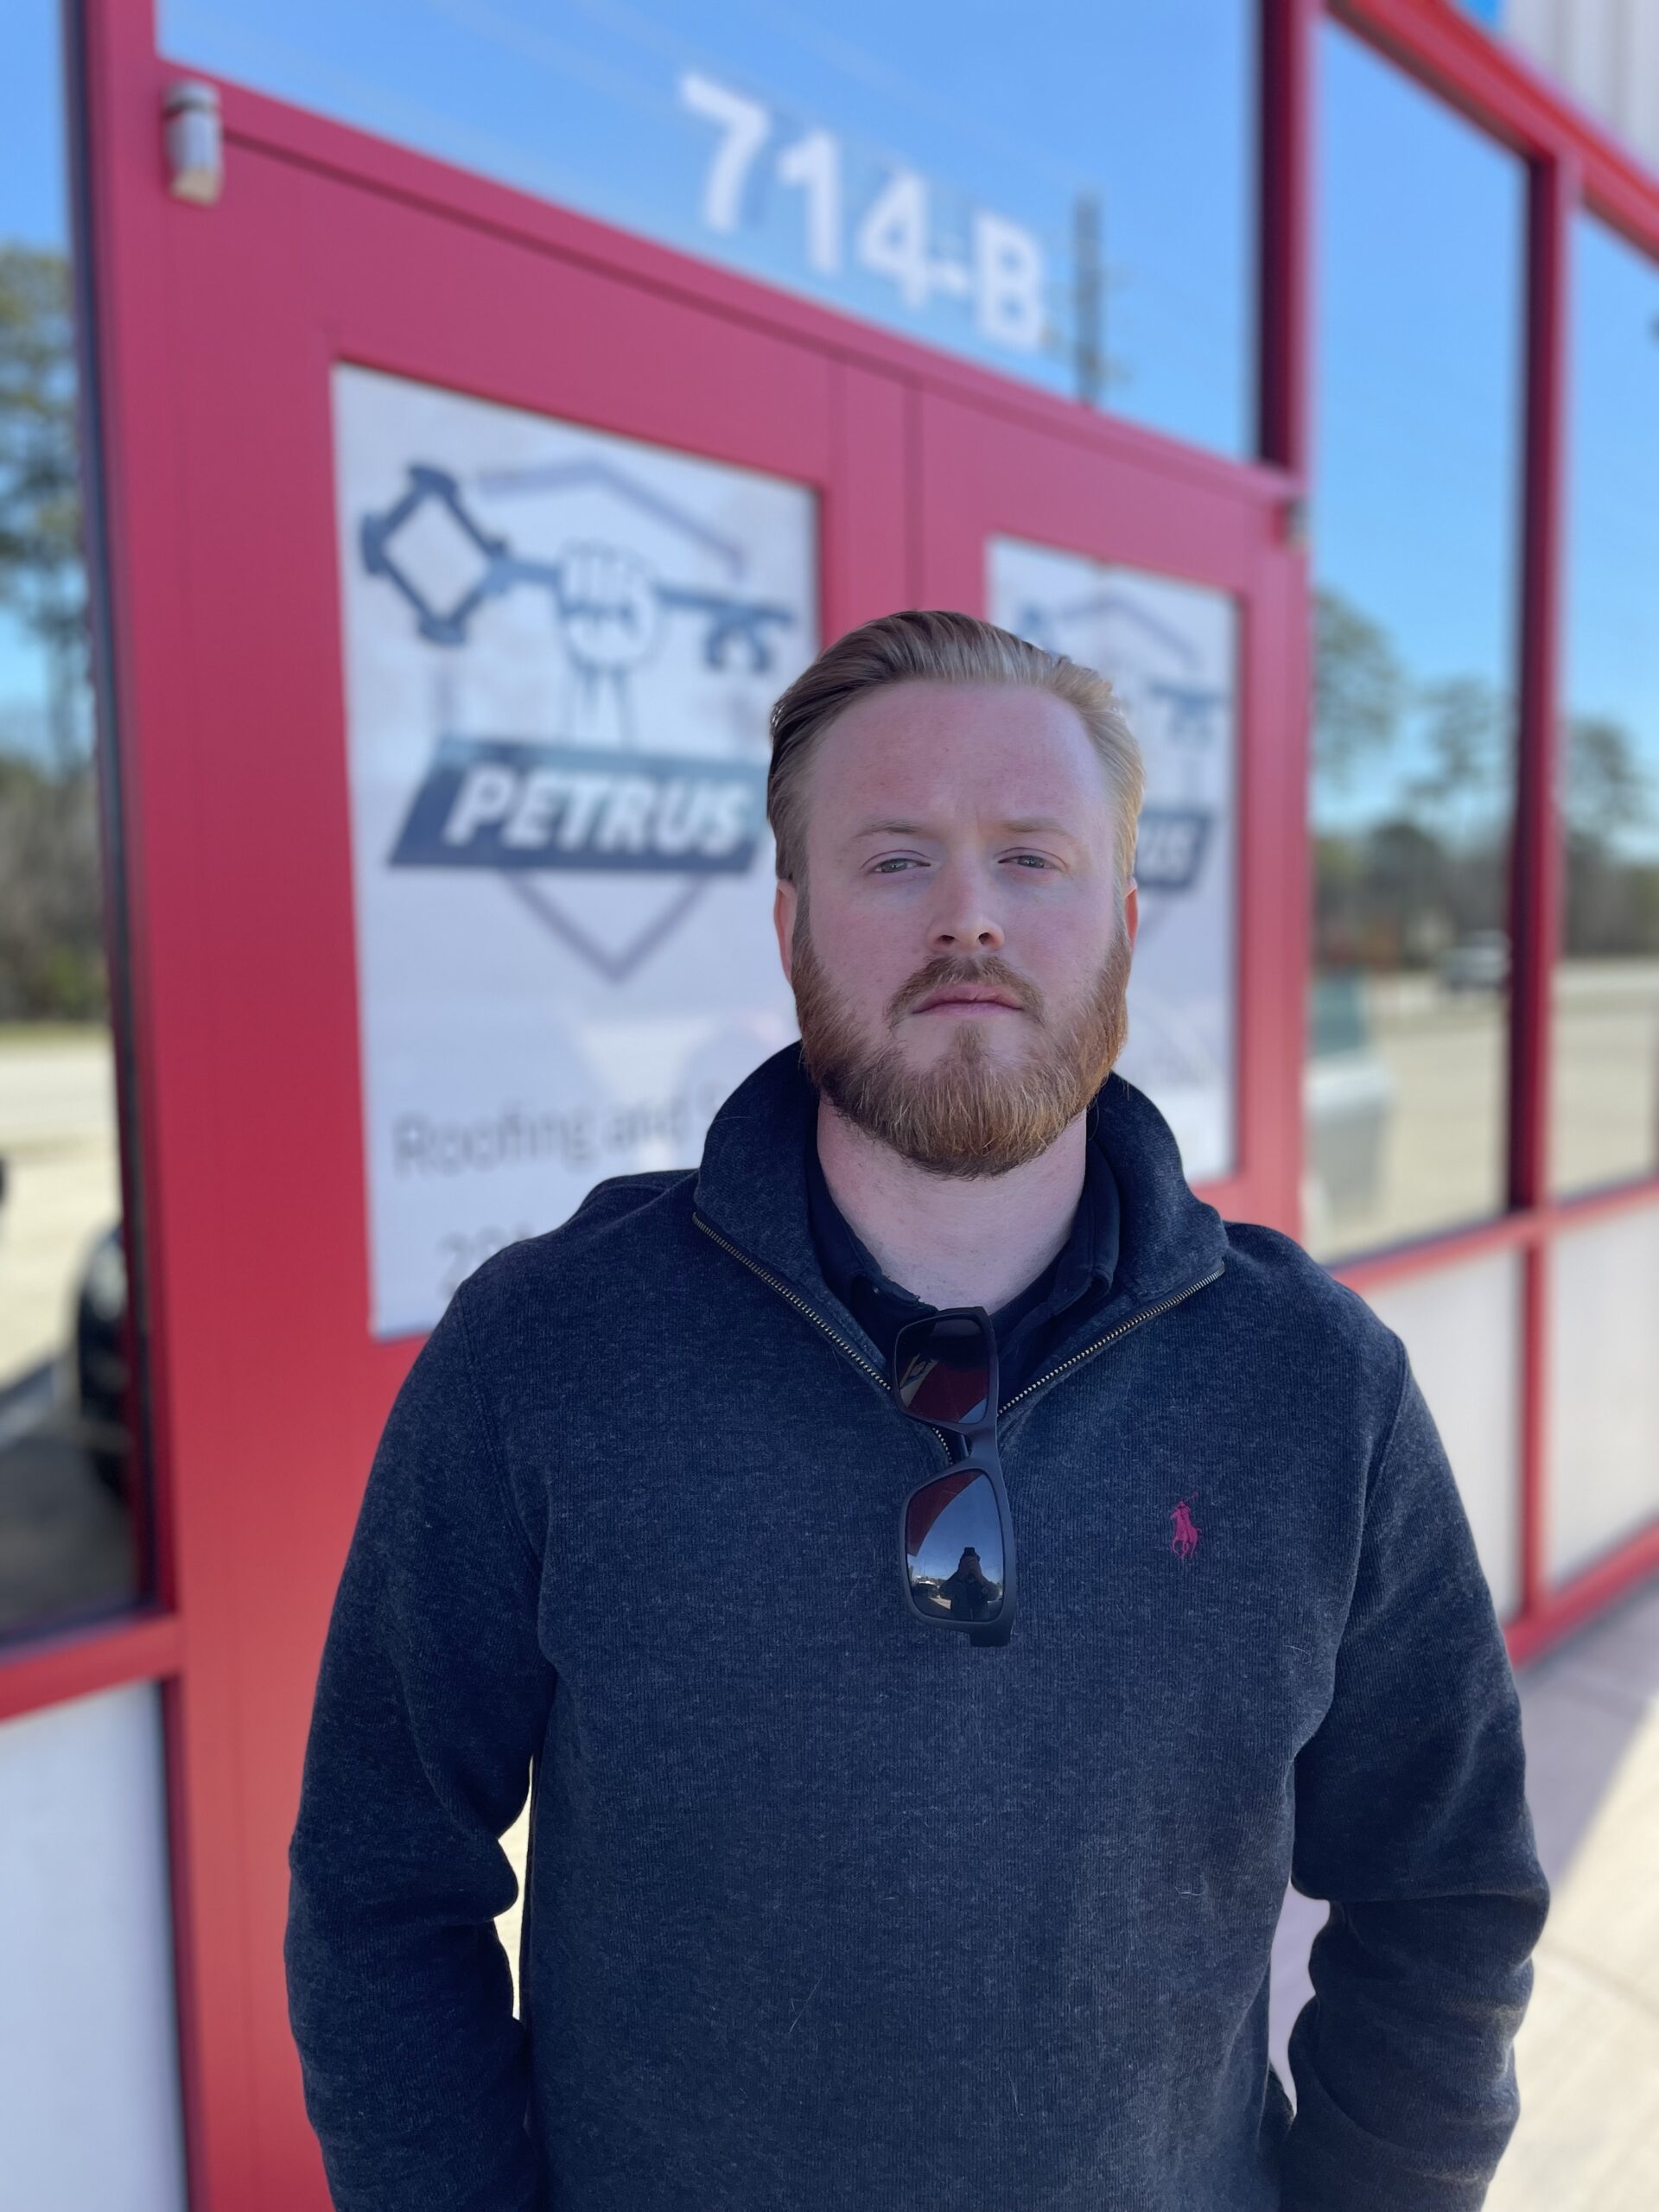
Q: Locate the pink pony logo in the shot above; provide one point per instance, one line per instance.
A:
(1186, 1536)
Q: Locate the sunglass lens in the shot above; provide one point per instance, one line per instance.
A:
(953, 1547)
(942, 1368)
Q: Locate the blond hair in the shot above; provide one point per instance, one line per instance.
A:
(937, 646)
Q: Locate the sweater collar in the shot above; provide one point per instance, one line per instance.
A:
(1088, 1257)
(751, 1188)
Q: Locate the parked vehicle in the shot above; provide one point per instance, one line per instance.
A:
(1348, 1100)
(100, 1373)
(1480, 962)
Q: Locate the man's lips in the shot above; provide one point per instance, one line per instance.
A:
(969, 1001)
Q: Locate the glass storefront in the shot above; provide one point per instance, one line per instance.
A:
(1075, 206)
(1417, 471)
(67, 1541)
(1605, 1124)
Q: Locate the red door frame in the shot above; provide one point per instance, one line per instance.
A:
(228, 1634)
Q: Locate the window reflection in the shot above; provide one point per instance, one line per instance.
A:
(1416, 531)
(1605, 1123)
(67, 1543)
(1068, 195)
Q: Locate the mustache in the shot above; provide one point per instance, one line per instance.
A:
(970, 1113)
(993, 973)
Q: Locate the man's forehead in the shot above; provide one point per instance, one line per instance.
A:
(994, 759)
(1022, 712)
(920, 823)
(1026, 791)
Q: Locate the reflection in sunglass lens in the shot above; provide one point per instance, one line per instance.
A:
(953, 1547)
(944, 1368)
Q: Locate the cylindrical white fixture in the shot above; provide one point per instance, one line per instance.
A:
(195, 156)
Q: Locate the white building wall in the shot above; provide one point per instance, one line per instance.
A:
(1461, 1328)
(89, 2089)
(1604, 1387)
(1606, 53)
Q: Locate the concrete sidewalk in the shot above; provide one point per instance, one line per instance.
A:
(1588, 2056)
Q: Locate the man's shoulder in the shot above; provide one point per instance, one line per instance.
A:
(619, 1196)
(1282, 1295)
(622, 1223)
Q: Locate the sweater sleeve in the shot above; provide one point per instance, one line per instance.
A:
(431, 1702)
(1411, 1819)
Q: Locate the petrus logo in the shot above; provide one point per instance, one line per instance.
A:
(609, 615)
(559, 648)
(1169, 848)
(500, 802)
(1175, 713)
(608, 604)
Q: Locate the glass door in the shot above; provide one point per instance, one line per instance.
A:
(1172, 574)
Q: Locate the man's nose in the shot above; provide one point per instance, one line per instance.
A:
(964, 920)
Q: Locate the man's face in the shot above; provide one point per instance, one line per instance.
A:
(958, 836)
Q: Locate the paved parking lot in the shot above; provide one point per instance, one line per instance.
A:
(57, 1138)
(1437, 1064)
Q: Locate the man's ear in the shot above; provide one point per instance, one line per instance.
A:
(782, 920)
(1132, 909)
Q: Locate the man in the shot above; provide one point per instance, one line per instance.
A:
(905, 1838)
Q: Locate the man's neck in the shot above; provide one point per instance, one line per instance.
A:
(949, 1240)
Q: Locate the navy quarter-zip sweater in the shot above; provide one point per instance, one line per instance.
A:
(829, 1909)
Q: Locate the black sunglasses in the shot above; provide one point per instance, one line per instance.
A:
(956, 1533)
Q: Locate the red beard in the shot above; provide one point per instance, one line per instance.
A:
(970, 1114)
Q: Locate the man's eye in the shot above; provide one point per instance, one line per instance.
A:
(899, 860)
(1038, 857)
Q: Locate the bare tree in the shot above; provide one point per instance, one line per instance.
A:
(51, 956)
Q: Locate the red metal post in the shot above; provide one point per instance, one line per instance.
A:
(1535, 860)
(1536, 870)
(1274, 786)
(1289, 30)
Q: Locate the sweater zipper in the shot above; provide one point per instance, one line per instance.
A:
(858, 1359)
(801, 1306)
(1150, 1313)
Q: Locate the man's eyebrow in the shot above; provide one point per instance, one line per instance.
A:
(1025, 826)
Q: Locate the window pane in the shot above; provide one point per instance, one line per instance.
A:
(66, 1543)
(1605, 1123)
(1417, 529)
(1075, 205)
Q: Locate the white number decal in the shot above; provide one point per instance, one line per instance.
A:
(892, 238)
(814, 164)
(1008, 282)
(1002, 276)
(746, 125)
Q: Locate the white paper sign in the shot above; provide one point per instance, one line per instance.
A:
(1171, 649)
(560, 649)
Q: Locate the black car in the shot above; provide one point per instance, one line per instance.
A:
(102, 1364)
